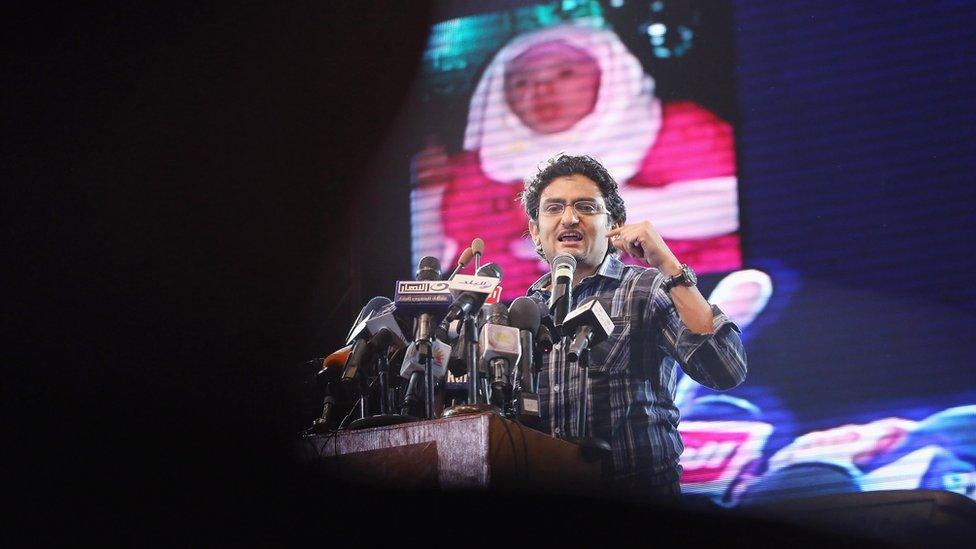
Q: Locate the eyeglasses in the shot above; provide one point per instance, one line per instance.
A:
(582, 207)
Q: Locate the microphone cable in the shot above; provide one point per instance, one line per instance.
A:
(333, 435)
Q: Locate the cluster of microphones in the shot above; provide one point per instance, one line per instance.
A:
(403, 356)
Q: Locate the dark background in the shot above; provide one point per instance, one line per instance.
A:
(183, 216)
(186, 222)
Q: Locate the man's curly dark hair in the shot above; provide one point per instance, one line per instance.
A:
(564, 165)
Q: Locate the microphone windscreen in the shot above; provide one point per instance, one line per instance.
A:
(544, 314)
(478, 246)
(497, 313)
(466, 256)
(524, 314)
(490, 269)
(563, 259)
(541, 303)
(332, 364)
(429, 268)
(382, 339)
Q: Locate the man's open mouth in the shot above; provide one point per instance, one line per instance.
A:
(570, 236)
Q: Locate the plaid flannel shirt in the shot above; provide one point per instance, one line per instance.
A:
(632, 374)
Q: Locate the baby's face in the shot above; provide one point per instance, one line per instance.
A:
(552, 86)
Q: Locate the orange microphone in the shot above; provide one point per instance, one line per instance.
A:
(466, 256)
(478, 247)
(332, 365)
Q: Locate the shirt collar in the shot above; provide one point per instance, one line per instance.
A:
(611, 267)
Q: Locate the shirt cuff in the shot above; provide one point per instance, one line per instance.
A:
(689, 341)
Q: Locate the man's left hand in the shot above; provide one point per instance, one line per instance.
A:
(641, 241)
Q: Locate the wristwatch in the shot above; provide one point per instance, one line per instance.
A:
(685, 278)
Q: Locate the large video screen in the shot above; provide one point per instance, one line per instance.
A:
(528, 84)
(653, 91)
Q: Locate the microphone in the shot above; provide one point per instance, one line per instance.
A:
(470, 293)
(466, 256)
(429, 268)
(490, 269)
(477, 248)
(525, 316)
(413, 361)
(383, 344)
(330, 372)
(563, 267)
(426, 298)
(383, 340)
(591, 324)
(457, 364)
(385, 334)
(543, 336)
(413, 369)
(368, 310)
(361, 352)
(333, 367)
(547, 328)
(394, 382)
(500, 348)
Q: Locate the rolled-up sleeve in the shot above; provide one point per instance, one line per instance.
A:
(716, 360)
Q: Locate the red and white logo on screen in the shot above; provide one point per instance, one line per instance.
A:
(716, 451)
(495, 295)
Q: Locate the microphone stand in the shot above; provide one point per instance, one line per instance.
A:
(537, 361)
(427, 356)
(363, 393)
(584, 393)
(524, 406)
(383, 368)
(321, 424)
(384, 418)
(592, 447)
(474, 404)
(471, 337)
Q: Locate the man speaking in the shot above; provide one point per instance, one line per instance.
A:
(660, 320)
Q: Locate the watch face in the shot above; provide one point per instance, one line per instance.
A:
(689, 276)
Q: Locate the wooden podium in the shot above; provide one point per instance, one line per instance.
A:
(478, 451)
